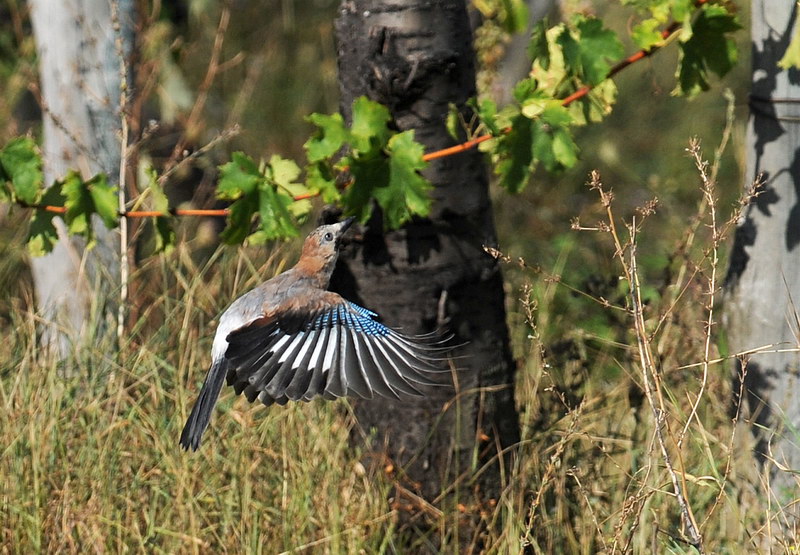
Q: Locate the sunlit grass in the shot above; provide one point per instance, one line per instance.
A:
(90, 454)
(89, 458)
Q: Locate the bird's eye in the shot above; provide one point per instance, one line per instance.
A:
(328, 236)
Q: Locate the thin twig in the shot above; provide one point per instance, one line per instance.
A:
(205, 86)
(124, 267)
(711, 202)
(659, 412)
(225, 136)
(652, 387)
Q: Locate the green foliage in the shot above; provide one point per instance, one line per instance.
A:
(330, 136)
(538, 128)
(587, 48)
(42, 234)
(647, 34)
(705, 47)
(384, 165)
(82, 199)
(704, 40)
(268, 199)
(538, 46)
(20, 171)
(163, 226)
(267, 190)
(407, 193)
(662, 11)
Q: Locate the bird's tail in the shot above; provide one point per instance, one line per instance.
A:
(201, 413)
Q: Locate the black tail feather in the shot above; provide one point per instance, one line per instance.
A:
(201, 413)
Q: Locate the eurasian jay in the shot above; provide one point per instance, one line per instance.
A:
(290, 339)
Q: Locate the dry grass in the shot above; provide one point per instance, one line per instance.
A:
(630, 441)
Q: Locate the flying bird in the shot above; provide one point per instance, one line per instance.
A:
(290, 339)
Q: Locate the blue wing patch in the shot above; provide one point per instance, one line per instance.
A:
(351, 316)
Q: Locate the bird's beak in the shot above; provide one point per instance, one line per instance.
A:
(343, 226)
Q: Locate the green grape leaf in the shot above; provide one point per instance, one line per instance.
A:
(486, 109)
(22, 165)
(82, 199)
(369, 131)
(276, 219)
(79, 205)
(524, 89)
(550, 75)
(555, 114)
(159, 201)
(105, 202)
(164, 235)
(42, 234)
(589, 52)
(369, 173)
(552, 143)
(514, 156)
(565, 150)
(682, 10)
(320, 180)
(658, 9)
(536, 103)
(708, 49)
(269, 192)
(595, 106)
(330, 136)
(240, 219)
(407, 193)
(542, 146)
(284, 172)
(300, 209)
(239, 177)
(538, 47)
(647, 34)
(239, 181)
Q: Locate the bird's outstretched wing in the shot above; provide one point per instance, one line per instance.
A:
(339, 350)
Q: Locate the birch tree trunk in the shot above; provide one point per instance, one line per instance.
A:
(79, 69)
(763, 284)
(416, 57)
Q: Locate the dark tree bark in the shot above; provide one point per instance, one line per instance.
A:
(416, 57)
(763, 284)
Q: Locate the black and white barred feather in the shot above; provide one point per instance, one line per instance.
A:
(341, 351)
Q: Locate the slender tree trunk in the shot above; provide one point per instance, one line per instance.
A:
(79, 69)
(763, 284)
(416, 57)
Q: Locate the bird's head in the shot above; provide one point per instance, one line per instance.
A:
(321, 249)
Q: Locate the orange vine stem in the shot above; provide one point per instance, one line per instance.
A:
(580, 93)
